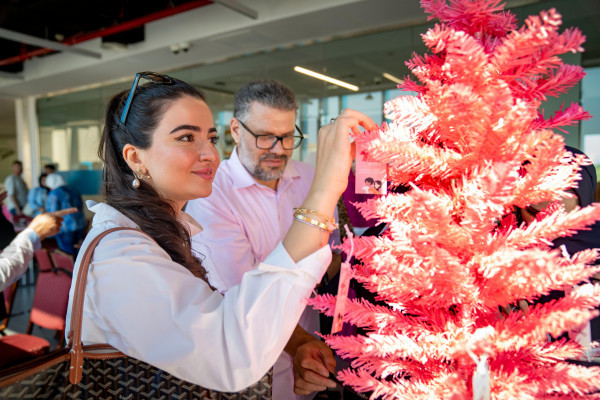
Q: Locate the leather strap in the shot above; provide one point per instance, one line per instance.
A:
(77, 351)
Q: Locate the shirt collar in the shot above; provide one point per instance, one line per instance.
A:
(104, 213)
(241, 178)
(193, 225)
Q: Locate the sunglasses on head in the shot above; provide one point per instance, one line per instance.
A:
(151, 76)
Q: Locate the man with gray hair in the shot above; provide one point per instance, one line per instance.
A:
(250, 210)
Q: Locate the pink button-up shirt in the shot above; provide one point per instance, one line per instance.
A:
(243, 222)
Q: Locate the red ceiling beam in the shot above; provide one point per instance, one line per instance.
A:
(124, 26)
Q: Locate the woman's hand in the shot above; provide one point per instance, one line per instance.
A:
(335, 154)
(334, 157)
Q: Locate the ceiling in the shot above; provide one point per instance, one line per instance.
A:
(75, 21)
(230, 45)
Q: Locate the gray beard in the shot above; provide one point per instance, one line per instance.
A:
(256, 170)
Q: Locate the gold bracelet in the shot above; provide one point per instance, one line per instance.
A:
(313, 222)
(298, 210)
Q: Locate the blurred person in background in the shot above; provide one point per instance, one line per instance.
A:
(37, 196)
(15, 258)
(17, 190)
(74, 225)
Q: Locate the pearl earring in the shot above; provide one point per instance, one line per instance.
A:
(137, 176)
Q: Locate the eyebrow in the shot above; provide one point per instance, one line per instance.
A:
(192, 128)
(267, 133)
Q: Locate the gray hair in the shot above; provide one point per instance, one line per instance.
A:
(267, 92)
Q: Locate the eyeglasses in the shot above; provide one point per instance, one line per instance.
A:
(151, 76)
(532, 211)
(267, 142)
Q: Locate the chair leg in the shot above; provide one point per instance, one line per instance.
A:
(61, 339)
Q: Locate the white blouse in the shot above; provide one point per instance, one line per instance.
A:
(15, 258)
(149, 307)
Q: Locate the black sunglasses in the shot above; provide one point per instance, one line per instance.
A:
(151, 76)
(267, 142)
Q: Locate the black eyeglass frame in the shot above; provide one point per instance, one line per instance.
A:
(277, 138)
(152, 76)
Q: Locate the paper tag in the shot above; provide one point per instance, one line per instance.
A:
(481, 380)
(342, 296)
(582, 334)
(371, 177)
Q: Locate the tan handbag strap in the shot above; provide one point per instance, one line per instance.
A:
(76, 349)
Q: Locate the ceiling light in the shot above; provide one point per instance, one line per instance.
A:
(393, 78)
(180, 47)
(325, 78)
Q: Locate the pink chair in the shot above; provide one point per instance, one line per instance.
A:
(8, 297)
(7, 213)
(43, 259)
(20, 347)
(50, 301)
(63, 260)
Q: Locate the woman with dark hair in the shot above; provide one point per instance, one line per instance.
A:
(377, 186)
(147, 295)
(36, 198)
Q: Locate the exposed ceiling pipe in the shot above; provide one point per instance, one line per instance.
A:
(239, 7)
(125, 26)
(36, 41)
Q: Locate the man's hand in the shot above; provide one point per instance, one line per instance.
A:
(312, 363)
(48, 224)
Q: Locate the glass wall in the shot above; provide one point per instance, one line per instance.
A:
(590, 129)
(71, 123)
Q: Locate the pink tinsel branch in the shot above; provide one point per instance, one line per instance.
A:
(562, 117)
(446, 386)
(556, 225)
(554, 318)
(511, 275)
(473, 146)
(482, 16)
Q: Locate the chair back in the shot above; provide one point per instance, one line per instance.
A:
(63, 260)
(43, 259)
(50, 300)
(7, 297)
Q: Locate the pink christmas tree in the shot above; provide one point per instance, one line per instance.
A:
(473, 146)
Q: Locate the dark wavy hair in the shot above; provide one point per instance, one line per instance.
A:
(145, 206)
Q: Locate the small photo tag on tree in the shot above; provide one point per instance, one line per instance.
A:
(371, 176)
(342, 296)
(481, 380)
